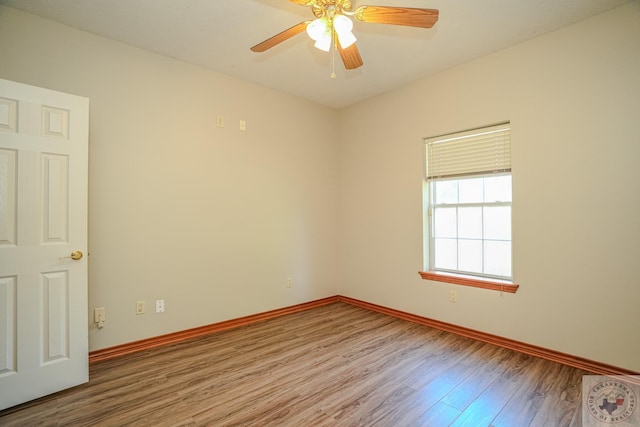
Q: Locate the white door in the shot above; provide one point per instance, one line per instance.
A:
(43, 218)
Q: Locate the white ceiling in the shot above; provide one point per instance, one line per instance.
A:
(217, 34)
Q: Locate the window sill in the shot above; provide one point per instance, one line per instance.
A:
(468, 281)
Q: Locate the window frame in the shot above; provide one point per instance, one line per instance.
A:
(479, 280)
(432, 237)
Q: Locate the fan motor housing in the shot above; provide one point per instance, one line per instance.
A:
(329, 8)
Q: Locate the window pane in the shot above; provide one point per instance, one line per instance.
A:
(470, 223)
(471, 190)
(497, 258)
(497, 189)
(446, 192)
(497, 222)
(446, 254)
(470, 256)
(445, 222)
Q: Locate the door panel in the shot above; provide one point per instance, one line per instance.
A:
(55, 327)
(55, 172)
(8, 232)
(8, 329)
(43, 219)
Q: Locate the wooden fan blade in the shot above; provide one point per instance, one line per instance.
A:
(350, 57)
(280, 37)
(408, 16)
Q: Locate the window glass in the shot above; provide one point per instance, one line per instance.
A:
(497, 189)
(445, 222)
(470, 256)
(446, 254)
(471, 190)
(471, 229)
(497, 259)
(446, 192)
(497, 222)
(470, 222)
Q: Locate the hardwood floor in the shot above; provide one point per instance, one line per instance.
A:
(336, 365)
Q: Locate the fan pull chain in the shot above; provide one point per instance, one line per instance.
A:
(333, 58)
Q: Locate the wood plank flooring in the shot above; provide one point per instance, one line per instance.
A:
(336, 365)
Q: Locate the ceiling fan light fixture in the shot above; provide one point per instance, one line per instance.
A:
(324, 42)
(346, 39)
(317, 28)
(343, 26)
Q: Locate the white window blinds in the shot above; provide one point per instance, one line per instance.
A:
(474, 152)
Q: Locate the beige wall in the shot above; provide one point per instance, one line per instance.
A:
(573, 99)
(212, 220)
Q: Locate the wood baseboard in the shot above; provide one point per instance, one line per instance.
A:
(132, 347)
(544, 353)
(533, 350)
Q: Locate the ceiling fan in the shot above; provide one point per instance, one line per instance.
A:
(333, 25)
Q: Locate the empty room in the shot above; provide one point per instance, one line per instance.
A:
(319, 212)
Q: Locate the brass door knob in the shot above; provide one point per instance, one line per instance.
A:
(75, 255)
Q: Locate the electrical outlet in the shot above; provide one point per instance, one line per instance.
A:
(243, 125)
(160, 306)
(289, 282)
(453, 296)
(220, 121)
(140, 307)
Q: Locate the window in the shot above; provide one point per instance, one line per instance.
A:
(468, 209)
